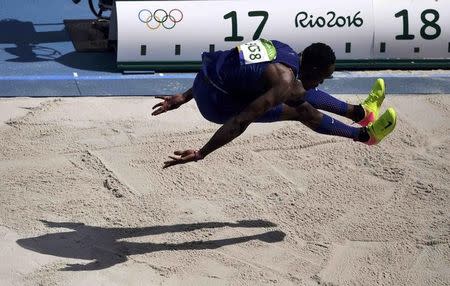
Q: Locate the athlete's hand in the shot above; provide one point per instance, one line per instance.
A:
(183, 157)
(169, 102)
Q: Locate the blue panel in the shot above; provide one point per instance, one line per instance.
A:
(39, 88)
(395, 83)
(145, 85)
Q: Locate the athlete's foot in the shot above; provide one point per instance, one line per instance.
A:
(382, 127)
(373, 102)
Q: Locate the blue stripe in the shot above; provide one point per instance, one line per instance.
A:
(96, 77)
(413, 74)
(443, 74)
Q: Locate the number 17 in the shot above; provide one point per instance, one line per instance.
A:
(234, 25)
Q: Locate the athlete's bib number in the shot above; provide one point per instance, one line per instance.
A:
(258, 51)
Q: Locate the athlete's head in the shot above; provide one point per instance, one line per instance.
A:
(316, 64)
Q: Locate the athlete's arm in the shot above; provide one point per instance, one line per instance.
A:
(280, 87)
(172, 102)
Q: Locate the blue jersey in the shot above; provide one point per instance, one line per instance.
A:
(244, 81)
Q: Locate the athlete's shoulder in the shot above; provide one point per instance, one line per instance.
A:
(280, 44)
(284, 48)
(278, 73)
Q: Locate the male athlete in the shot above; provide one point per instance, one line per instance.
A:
(267, 81)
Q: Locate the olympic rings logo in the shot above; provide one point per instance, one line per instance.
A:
(160, 18)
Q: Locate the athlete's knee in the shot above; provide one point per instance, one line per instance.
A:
(306, 113)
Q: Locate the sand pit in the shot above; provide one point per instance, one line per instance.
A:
(84, 200)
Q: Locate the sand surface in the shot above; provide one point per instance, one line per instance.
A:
(84, 200)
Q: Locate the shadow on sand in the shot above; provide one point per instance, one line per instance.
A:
(102, 245)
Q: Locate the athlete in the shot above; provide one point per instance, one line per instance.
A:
(267, 81)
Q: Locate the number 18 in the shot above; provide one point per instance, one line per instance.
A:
(426, 24)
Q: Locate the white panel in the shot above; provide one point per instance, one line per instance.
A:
(298, 23)
(398, 24)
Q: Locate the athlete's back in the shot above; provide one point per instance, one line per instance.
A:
(227, 70)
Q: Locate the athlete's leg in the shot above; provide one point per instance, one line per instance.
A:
(315, 120)
(324, 101)
(364, 113)
(325, 124)
(272, 115)
(322, 123)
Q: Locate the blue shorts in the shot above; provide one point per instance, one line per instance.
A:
(218, 107)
